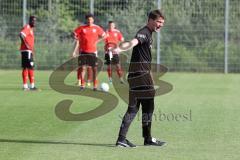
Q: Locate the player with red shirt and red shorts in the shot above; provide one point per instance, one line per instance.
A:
(87, 37)
(113, 38)
(27, 51)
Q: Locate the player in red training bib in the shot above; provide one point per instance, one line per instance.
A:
(27, 51)
(87, 37)
(113, 38)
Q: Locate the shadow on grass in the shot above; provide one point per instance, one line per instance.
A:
(54, 142)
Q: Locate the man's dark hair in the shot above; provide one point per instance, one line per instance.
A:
(89, 15)
(110, 22)
(31, 18)
(154, 14)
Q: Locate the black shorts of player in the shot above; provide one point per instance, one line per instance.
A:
(114, 60)
(89, 59)
(27, 59)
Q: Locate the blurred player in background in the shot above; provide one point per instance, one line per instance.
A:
(27, 52)
(141, 85)
(76, 54)
(112, 39)
(87, 37)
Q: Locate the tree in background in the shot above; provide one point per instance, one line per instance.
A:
(57, 22)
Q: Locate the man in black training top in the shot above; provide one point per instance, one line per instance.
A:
(141, 86)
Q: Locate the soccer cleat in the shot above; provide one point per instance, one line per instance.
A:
(82, 88)
(34, 89)
(125, 143)
(95, 89)
(153, 142)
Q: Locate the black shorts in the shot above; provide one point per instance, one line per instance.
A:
(89, 59)
(27, 60)
(114, 60)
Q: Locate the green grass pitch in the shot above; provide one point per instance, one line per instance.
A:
(208, 128)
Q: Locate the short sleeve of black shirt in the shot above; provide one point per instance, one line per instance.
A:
(142, 36)
(141, 54)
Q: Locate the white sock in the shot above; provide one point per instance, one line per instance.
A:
(32, 85)
(25, 85)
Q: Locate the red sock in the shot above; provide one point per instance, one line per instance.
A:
(82, 77)
(82, 82)
(79, 74)
(95, 83)
(25, 75)
(119, 72)
(89, 74)
(109, 71)
(31, 75)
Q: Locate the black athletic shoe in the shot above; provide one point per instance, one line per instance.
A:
(125, 143)
(154, 142)
(34, 89)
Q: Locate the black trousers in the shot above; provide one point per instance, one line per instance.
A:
(144, 96)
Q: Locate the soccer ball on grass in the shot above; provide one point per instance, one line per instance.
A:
(104, 87)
